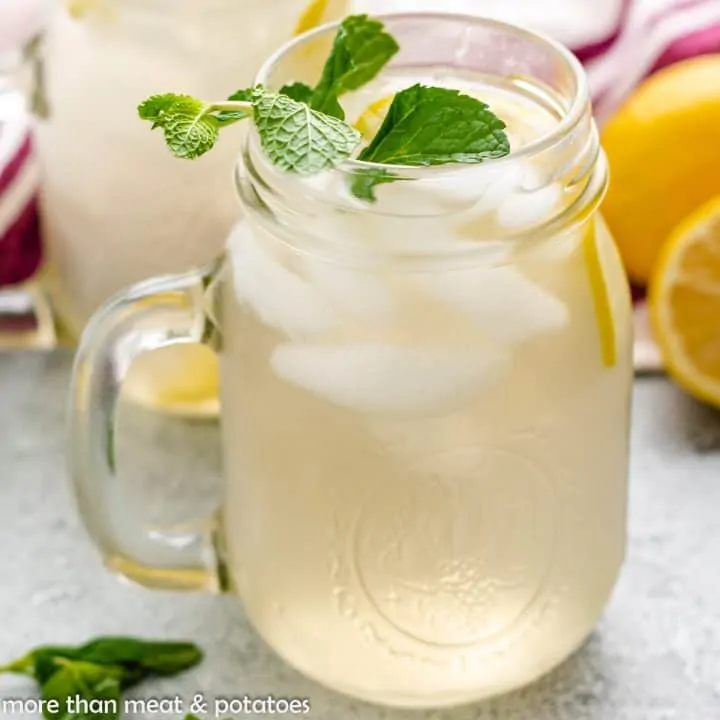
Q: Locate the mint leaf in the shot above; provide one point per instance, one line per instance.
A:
(360, 50)
(298, 91)
(431, 126)
(128, 660)
(141, 658)
(190, 130)
(227, 117)
(434, 126)
(298, 139)
(155, 106)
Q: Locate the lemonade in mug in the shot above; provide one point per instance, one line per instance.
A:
(425, 365)
(116, 207)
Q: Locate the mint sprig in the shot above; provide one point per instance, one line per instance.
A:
(302, 129)
(294, 136)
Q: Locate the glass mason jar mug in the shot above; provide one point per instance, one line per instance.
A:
(425, 399)
(116, 207)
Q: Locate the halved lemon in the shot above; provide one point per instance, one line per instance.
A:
(684, 303)
(372, 117)
(319, 12)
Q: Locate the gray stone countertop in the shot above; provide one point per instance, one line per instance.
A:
(654, 656)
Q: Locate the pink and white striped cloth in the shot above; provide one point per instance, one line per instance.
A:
(620, 42)
(20, 244)
(648, 36)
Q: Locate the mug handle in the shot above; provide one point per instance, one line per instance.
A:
(153, 314)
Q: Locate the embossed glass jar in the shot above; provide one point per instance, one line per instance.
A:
(116, 207)
(425, 398)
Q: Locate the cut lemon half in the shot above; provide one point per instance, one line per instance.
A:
(684, 303)
(319, 12)
(372, 117)
(601, 297)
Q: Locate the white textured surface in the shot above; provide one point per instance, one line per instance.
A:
(655, 656)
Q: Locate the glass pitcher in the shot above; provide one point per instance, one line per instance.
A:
(116, 208)
(425, 400)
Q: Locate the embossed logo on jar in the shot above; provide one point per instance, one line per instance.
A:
(457, 555)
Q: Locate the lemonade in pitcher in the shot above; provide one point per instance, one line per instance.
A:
(116, 208)
(424, 335)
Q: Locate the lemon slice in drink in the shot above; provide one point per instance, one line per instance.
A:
(319, 12)
(99, 9)
(179, 379)
(78, 8)
(372, 117)
(684, 303)
(601, 297)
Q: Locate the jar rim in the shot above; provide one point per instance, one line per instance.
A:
(573, 116)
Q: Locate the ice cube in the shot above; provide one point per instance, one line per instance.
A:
(352, 291)
(501, 180)
(375, 378)
(556, 250)
(479, 187)
(523, 209)
(504, 304)
(279, 296)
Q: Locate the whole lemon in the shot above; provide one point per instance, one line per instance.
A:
(663, 147)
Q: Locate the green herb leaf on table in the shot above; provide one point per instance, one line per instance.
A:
(101, 669)
(99, 685)
(299, 139)
(143, 657)
(139, 659)
(360, 50)
(432, 126)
